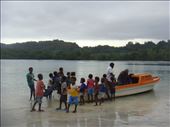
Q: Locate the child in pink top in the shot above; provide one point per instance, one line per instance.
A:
(90, 88)
(39, 92)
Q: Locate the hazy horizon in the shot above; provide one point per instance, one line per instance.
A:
(85, 43)
(88, 23)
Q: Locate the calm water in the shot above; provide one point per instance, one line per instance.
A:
(151, 109)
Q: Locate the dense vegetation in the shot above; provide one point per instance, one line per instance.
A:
(58, 49)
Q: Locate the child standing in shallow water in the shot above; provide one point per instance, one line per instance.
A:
(39, 92)
(30, 80)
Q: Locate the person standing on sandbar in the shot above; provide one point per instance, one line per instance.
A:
(30, 81)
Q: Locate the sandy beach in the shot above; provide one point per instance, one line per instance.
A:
(110, 114)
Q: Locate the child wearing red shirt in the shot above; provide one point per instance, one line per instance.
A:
(39, 92)
(90, 88)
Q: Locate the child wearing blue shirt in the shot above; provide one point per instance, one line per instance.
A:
(112, 87)
(102, 91)
(83, 88)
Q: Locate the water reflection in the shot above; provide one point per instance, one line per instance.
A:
(35, 124)
(96, 121)
(124, 112)
(110, 114)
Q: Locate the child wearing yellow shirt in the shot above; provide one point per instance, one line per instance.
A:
(73, 98)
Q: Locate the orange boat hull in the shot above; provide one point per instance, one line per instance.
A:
(145, 83)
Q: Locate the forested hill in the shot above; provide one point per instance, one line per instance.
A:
(58, 49)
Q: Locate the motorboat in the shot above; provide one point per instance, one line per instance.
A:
(140, 83)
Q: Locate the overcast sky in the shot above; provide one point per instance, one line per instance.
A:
(87, 23)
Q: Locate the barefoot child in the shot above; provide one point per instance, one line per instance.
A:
(82, 91)
(90, 88)
(102, 91)
(73, 98)
(30, 80)
(49, 90)
(112, 88)
(106, 82)
(39, 92)
(96, 90)
(63, 97)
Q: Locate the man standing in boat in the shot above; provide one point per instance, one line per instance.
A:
(109, 81)
(110, 72)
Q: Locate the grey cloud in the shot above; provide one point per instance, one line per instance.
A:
(85, 20)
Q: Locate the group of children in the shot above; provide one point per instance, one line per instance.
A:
(99, 90)
(70, 93)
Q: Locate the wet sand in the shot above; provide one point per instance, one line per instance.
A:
(123, 112)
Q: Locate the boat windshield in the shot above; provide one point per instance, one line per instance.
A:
(134, 80)
(146, 77)
(131, 80)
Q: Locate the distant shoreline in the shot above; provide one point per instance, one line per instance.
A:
(60, 50)
(97, 60)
